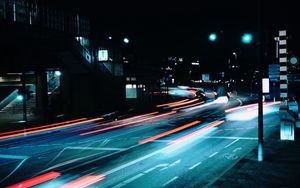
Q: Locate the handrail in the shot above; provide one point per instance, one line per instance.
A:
(39, 14)
(8, 99)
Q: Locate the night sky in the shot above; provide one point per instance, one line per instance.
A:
(159, 29)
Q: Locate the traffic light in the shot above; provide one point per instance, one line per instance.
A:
(24, 94)
(212, 37)
(21, 95)
(126, 40)
(247, 38)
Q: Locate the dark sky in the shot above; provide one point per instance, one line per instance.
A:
(161, 28)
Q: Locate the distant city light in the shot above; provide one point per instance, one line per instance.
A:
(109, 37)
(126, 40)
(57, 73)
(212, 37)
(20, 97)
(247, 38)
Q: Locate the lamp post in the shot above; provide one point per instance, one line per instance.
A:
(260, 52)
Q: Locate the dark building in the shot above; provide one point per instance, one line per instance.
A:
(49, 50)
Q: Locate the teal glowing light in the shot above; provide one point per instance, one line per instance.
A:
(247, 38)
(126, 40)
(57, 73)
(212, 37)
(20, 97)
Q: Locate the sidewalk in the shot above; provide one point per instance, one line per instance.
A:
(280, 168)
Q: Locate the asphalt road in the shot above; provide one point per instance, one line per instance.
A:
(174, 147)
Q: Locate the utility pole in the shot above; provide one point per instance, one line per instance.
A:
(260, 50)
(24, 97)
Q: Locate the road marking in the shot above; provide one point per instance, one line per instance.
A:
(175, 163)
(13, 157)
(171, 180)
(105, 141)
(128, 181)
(213, 154)
(133, 178)
(17, 167)
(195, 165)
(232, 137)
(133, 162)
(157, 166)
(237, 149)
(231, 143)
(230, 156)
(94, 148)
(164, 168)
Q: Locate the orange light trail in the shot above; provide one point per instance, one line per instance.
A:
(36, 180)
(167, 104)
(43, 126)
(125, 124)
(168, 132)
(202, 130)
(183, 103)
(48, 129)
(83, 182)
(178, 108)
(135, 117)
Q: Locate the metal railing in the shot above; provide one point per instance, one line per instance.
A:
(9, 99)
(32, 12)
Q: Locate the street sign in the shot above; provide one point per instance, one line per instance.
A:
(102, 55)
(274, 72)
(266, 85)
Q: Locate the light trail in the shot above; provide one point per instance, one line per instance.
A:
(36, 180)
(167, 104)
(196, 133)
(43, 126)
(48, 129)
(183, 103)
(250, 107)
(125, 124)
(240, 107)
(168, 132)
(126, 119)
(187, 106)
(84, 182)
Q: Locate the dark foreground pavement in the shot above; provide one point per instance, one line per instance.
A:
(280, 168)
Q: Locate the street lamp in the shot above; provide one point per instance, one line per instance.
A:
(126, 40)
(20, 97)
(212, 37)
(247, 38)
(235, 55)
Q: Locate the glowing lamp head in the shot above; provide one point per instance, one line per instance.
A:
(247, 38)
(212, 37)
(126, 40)
(20, 97)
(57, 73)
